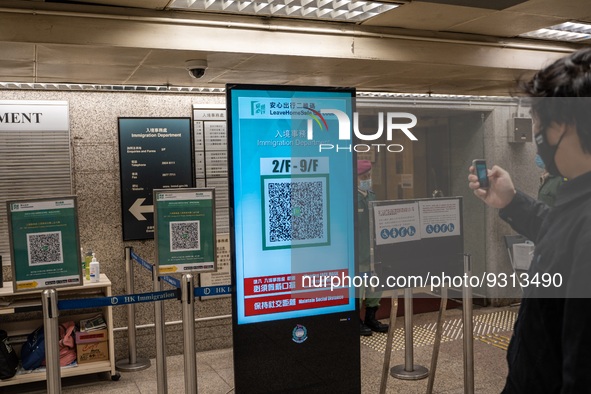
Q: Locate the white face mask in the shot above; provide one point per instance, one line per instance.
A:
(365, 184)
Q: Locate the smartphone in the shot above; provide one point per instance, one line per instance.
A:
(481, 173)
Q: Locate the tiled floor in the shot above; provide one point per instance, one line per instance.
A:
(215, 370)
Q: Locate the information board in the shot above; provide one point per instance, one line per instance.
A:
(185, 230)
(154, 153)
(292, 217)
(44, 243)
(418, 238)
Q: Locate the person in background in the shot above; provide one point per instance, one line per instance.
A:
(550, 351)
(549, 184)
(372, 298)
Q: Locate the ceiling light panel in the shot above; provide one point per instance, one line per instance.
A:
(333, 10)
(568, 31)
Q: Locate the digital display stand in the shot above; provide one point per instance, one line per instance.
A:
(292, 216)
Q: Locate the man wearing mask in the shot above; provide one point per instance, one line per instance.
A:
(550, 351)
(372, 299)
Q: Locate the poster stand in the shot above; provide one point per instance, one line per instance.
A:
(421, 232)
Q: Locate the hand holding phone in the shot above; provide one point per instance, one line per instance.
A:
(481, 173)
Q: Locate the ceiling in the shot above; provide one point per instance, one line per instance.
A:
(424, 46)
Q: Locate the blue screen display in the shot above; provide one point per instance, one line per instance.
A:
(293, 200)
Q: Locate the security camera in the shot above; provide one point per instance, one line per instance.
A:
(196, 68)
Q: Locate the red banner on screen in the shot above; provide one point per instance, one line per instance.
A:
(263, 285)
(292, 302)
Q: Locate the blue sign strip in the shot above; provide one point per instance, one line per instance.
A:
(212, 291)
(142, 262)
(171, 281)
(116, 300)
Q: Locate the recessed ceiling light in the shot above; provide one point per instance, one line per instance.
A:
(568, 31)
(334, 10)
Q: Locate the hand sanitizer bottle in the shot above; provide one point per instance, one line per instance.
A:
(95, 271)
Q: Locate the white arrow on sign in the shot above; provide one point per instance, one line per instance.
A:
(137, 209)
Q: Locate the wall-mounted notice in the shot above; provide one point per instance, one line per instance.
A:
(44, 243)
(155, 153)
(185, 230)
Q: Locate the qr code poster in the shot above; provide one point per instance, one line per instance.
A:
(184, 236)
(44, 243)
(295, 211)
(45, 248)
(185, 230)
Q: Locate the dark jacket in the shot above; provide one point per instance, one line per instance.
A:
(363, 199)
(549, 185)
(550, 351)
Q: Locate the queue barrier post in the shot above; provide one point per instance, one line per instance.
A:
(468, 329)
(408, 371)
(389, 340)
(161, 377)
(132, 363)
(51, 332)
(437, 344)
(190, 357)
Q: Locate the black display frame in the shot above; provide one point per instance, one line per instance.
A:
(266, 358)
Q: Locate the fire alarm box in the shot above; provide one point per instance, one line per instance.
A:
(520, 130)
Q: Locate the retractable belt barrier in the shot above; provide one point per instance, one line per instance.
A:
(183, 291)
(125, 299)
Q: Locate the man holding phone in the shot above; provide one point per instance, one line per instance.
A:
(550, 351)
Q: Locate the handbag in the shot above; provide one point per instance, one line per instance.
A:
(8, 358)
(67, 343)
(33, 350)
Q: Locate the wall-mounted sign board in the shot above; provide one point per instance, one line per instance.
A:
(154, 153)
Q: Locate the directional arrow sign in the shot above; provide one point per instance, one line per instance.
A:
(154, 153)
(137, 209)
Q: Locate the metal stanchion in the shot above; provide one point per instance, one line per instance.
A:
(389, 338)
(468, 330)
(190, 357)
(437, 343)
(52, 336)
(132, 363)
(408, 371)
(160, 338)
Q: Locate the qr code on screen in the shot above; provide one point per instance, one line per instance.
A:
(45, 248)
(296, 211)
(184, 236)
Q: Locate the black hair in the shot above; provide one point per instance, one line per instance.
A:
(561, 92)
